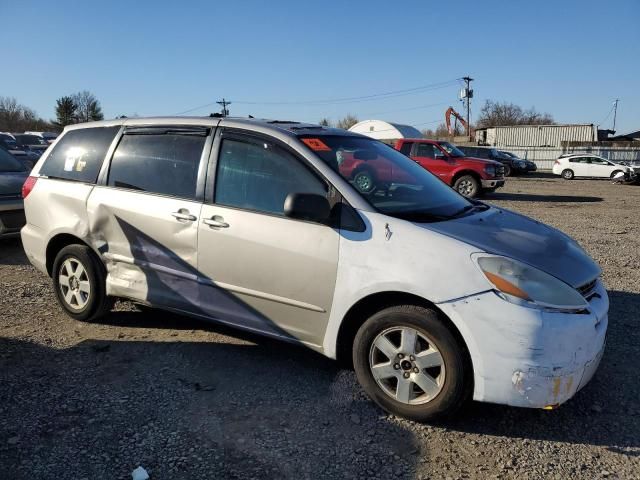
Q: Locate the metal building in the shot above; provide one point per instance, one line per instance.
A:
(536, 135)
(385, 131)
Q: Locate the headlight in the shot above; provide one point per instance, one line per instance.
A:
(525, 285)
(491, 170)
(521, 164)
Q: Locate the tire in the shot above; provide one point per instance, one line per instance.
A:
(364, 181)
(507, 170)
(85, 279)
(614, 173)
(567, 174)
(467, 185)
(447, 384)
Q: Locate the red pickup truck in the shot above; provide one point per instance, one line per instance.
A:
(469, 176)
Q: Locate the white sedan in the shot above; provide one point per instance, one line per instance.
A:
(585, 165)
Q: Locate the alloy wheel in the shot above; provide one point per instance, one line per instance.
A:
(407, 365)
(74, 283)
(465, 187)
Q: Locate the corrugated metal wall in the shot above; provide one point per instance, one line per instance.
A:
(545, 156)
(539, 136)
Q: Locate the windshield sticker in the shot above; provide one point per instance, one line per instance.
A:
(316, 144)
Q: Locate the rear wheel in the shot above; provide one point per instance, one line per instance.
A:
(567, 174)
(410, 364)
(79, 280)
(467, 185)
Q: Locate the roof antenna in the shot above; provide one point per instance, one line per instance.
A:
(251, 116)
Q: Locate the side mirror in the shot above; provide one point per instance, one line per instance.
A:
(307, 206)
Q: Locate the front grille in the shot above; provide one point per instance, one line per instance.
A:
(13, 220)
(588, 289)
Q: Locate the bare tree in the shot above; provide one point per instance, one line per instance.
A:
(495, 114)
(347, 122)
(441, 131)
(15, 117)
(88, 107)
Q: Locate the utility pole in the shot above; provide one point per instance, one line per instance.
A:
(467, 96)
(225, 110)
(615, 112)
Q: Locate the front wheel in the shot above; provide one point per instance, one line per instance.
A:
(467, 185)
(507, 170)
(410, 364)
(79, 281)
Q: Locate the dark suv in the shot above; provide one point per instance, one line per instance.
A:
(512, 164)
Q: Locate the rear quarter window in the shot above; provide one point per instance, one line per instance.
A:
(79, 154)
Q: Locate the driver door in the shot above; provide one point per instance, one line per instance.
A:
(431, 158)
(265, 271)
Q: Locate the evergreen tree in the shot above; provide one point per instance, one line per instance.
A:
(66, 112)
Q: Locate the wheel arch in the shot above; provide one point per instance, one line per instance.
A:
(369, 305)
(461, 173)
(57, 243)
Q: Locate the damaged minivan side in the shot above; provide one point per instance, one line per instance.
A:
(262, 225)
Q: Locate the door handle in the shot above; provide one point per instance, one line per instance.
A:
(184, 215)
(216, 221)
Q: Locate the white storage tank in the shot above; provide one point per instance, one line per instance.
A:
(385, 131)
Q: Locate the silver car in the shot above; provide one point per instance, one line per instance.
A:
(432, 297)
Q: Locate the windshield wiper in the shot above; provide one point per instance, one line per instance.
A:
(470, 208)
(419, 217)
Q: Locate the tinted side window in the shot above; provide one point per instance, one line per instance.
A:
(79, 154)
(158, 163)
(425, 150)
(259, 177)
(406, 148)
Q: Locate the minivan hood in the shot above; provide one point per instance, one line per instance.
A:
(503, 232)
(11, 182)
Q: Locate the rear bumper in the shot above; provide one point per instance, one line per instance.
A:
(493, 183)
(11, 217)
(34, 246)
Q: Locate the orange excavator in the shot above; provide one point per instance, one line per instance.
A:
(447, 118)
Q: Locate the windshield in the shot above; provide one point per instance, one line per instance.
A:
(391, 182)
(9, 164)
(451, 149)
(32, 140)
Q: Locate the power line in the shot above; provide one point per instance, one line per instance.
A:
(362, 98)
(339, 101)
(608, 115)
(408, 109)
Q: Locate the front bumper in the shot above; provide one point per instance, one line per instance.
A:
(527, 357)
(493, 183)
(11, 216)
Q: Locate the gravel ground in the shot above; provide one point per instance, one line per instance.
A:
(187, 399)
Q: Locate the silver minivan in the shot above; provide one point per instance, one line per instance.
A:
(432, 297)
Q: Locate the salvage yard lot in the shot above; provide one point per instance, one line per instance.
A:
(187, 399)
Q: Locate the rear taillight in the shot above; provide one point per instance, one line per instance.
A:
(28, 185)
